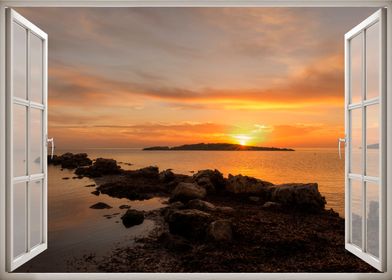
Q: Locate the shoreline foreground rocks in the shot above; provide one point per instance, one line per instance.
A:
(217, 224)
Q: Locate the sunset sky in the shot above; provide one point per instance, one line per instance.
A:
(136, 77)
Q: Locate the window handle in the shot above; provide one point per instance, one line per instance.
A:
(51, 141)
(340, 140)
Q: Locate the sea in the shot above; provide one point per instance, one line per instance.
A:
(76, 232)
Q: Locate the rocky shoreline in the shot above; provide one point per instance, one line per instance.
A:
(218, 224)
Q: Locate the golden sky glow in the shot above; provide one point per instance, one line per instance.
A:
(135, 77)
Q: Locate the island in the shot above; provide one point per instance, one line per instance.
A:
(215, 147)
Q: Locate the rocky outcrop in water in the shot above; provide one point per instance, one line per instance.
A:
(70, 160)
(234, 224)
(100, 167)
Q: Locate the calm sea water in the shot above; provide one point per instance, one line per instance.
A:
(322, 166)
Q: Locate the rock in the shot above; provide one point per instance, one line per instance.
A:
(205, 183)
(211, 180)
(187, 191)
(95, 193)
(147, 172)
(132, 218)
(254, 198)
(100, 205)
(121, 190)
(124, 206)
(174, 243)
(190, 223)
(302, 196)
(70, 160)
(166, 176)
(200, 205)
(172, 207)
(100, 167)
(272, 205)
(225, 209)
(220, 230)
(247, 185)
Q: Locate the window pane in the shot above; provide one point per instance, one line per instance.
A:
(19, 219)
(19, 141)
(372, 140)
(36, 69)
(35, 213)
(356, 141)
(19, 61)
(373, 61)
(356, 46)
(372, 218)
(35, 161)
(356, 212)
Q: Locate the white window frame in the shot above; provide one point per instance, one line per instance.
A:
(379, 263)
(193, 3)
(13, 263)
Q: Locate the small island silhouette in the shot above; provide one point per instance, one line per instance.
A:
(214, 147)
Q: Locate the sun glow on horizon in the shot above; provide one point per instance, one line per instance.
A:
(242, 139)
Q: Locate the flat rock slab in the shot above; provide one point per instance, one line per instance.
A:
(100, 205)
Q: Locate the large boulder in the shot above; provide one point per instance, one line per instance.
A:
(132, 217)
(303, 196)
(220, 230)
(190, 223)
(209, 179)
(187, 191)
(201, 205)
(101, 166)
(240, 184)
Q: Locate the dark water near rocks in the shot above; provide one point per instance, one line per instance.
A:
(75, 230)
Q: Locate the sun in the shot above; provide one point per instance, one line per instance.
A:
(242, 139)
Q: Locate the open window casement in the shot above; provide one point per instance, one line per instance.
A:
(26, 140)
(365, 153)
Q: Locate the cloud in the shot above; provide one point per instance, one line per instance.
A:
(315, 84)
(113, 73)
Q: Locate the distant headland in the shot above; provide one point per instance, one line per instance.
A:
(214, 147)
